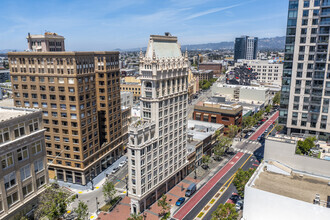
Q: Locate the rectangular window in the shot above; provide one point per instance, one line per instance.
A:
(22, 153)
(7, 160)
(27, 190)
(25, 172)
(38, 165)
(4, 135)
(36, 148)
(41, 181)
(10, 180)
(12, 199)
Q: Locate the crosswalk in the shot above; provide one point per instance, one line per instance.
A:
(245, 151)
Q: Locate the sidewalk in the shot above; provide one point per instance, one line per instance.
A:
(97, 181)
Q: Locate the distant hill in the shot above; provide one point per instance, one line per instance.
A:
(264, 44)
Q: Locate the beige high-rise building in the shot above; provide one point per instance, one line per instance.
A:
(23, 171)
(45, 43)
(79, 94)
(157, 142)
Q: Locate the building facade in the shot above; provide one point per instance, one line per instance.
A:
(4, 76)
(305, 95)
(45, 43)
(215, 67)
(203, 75)
(246, 48)
(268, 71)
(79, 94)
(23, 172)
(219, 113)
(157, 142)
(133, 85)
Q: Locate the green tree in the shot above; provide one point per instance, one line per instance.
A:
(233, 130)
(249, 122)
(135, 217)
(225, 211)
(52, 203)
(277, 98)
(81, 210)
(241, 178)
(109, 190)
(279, 128)
(222, 146)
(268, 108)
(303, 147)
(206, 159)
(162, 202)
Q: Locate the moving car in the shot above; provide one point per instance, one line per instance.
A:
(121, 164)
(114, 170)
(191, 189)
(180, 201)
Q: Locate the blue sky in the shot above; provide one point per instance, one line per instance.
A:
(109, 24)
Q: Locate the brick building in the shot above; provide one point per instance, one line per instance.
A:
(216, 67)
(219, 113)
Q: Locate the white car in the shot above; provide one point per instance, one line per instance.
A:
(114, 170)
(121, 164)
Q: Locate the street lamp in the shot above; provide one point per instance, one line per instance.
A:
(126, 179)
(195, 177)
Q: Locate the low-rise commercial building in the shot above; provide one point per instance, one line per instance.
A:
(287, 185)
(215, 67)
(249, 94)
(23, 172)
(226, 114)
(268, 71)
(201, 139)
(203, 74)
(126, 99)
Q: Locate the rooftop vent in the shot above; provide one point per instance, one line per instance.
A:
(168, 34)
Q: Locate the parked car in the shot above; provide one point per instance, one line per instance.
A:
(239, 204)
(234, 197)
(114, 170)
(180, 201)
(121, 164)
(191, 189)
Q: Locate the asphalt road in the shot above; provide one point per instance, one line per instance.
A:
(263, 127)
(203, 201)
(231, 189)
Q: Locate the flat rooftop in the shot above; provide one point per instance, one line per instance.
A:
(7, 113)
(200, 130)
(300, 186)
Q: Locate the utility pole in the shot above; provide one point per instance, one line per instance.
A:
(97, 205)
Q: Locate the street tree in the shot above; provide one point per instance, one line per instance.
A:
(135, 216)
(241, 178)
(52, 203)
(268, 108)
(109, 190)
(248, 122)
(225, 211)
(233, 130)
(162, 202)
(279, 128)
(81, 210)
(222, 146)
(277, 98)
(206, 159)
(303, 147)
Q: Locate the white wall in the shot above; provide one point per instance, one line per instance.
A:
(262, 205)
(285, 153)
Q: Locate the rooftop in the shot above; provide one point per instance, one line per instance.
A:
(46, 35)
(200, 130)
(300, 186)
(163, 46)
(7, 113)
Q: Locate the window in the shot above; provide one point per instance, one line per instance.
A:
(25, 172)
(27, 189)
(306, 3)
(38, 165)
(33, 125)
(4, 135)
(36, 148)
(12, 199)
(7, 160)
(72, 107)
(10, 180)
(22, 153)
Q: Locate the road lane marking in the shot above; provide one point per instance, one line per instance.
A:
(221, 191)
(121, 180)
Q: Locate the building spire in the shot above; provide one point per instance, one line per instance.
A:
(153, 54)
(141, 54)
(186, 53)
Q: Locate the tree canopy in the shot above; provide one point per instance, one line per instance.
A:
(135, 217)
(241, 178)
(222, 146)
(277, 98)
(303, 147)
(108, 190)
(225, 211)
(163, 204)
(81, 210)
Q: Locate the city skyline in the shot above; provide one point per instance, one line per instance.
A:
(126, 24)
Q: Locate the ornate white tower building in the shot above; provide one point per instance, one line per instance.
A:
(157, 142)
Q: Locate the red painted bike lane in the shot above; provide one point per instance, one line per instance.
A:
(264, 127)
(207, 187)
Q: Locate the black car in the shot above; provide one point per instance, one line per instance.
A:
(234, 197)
